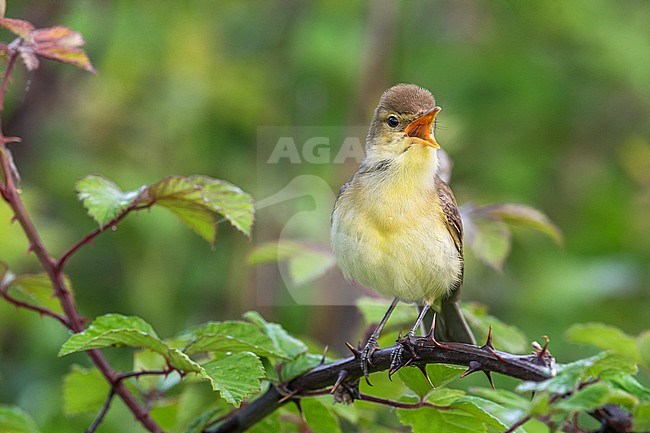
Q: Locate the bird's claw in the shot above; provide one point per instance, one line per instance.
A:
(397, 356)
(366, 357)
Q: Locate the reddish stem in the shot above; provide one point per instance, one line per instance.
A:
(55, 272)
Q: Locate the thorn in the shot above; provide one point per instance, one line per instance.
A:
(423, 369)
(474, 366)
(30, 249)
(322, 358)
(288, 396)
(488, 342)
(13, 219)
(489, 376)
(342, 375)
(356, 352)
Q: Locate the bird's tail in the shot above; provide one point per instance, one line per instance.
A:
(451, 324)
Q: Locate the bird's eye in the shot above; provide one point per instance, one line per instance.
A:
(392, 121)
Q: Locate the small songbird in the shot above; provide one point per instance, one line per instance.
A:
(395, 225)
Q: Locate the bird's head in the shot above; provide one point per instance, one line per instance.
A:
(404, 120)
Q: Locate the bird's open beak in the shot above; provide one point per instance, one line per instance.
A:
(421, 128)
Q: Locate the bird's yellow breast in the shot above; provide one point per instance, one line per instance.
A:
(389, 234)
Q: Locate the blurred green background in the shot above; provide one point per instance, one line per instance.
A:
(545, 103)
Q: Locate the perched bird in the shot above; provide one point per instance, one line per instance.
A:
(395, 225)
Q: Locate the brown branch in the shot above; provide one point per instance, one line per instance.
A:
(400, 404)
(524, 367)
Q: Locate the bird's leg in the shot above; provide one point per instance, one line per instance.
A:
(405, 343)
(373, 344)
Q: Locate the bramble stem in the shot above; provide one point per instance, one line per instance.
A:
(54, 270)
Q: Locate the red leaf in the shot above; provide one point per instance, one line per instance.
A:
(20, 27)
(59, 36)
(72, 56)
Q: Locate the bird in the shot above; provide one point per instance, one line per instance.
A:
(395, 226)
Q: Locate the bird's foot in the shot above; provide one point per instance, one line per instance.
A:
(366, 357)
(405, 344)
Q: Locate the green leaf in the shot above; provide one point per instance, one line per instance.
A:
(228, 200)
(84, 391)
(524, 216)
(103, 199)
(114, 330)
(643, 342)
(284, 343)
(195, 199)
(15, 420)
(319, 417)
(630, 385)
(444, 396)
(503, 397)
(442, 374)
(493, 414)
(605, 337)
(235, 376)
(427, 420)
(305, 262)
(490, 242)
(184, 199)
(35, 289)
(269, 424)
(373, 309)
(641, 418)
(302, 364)
(568, 377)
(413, 378)
(232, 336)
(586, 399)
(131, 331)
(504, 337)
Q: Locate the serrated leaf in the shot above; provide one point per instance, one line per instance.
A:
(319, 418)
(21, 28)
(114, 330)
(235, 376)
(35, 289)
(230, 201)
(72, 56)
(290, 346)
(605, 337)
(15, 420)
(568, 377)
(232, 336)
(148, 360)
(504, 337)
(194, 199)
(84, 390)
(493, 414)
(131, 331)
(427, 420)
(524, 216)
(103, 199)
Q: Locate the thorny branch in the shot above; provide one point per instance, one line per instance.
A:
(73, 320)
(342, 377)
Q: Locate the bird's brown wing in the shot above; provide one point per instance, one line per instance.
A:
(452, 217)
